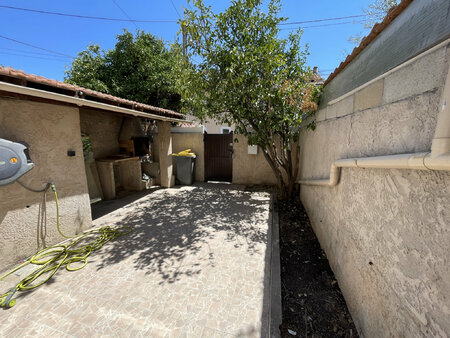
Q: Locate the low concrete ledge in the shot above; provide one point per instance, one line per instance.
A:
(275, 315)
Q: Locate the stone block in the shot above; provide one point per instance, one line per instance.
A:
(321, 114)
(370, 96)
(331, 112)
(425, 74)
(345, 106)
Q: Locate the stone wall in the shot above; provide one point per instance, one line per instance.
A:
(250, 169)
(385, 232)
(50, 130)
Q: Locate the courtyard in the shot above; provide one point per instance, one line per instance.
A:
(196, 264)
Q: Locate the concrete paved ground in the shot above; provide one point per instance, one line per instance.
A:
(195, 265)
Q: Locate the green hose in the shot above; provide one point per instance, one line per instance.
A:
(50, 259)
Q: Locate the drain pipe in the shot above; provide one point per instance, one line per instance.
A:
(437, 159)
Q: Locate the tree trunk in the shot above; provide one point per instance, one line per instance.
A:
(285, 175)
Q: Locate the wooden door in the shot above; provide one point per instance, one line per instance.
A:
(218, 157)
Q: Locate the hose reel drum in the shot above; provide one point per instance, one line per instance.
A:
(15, 161)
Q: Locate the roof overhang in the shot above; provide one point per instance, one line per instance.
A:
(80, 102)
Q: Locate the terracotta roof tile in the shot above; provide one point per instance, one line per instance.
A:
(110, 99)
(376, 30)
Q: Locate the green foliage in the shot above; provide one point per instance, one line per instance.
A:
(87, 146)
(238, 71)
(138, 68)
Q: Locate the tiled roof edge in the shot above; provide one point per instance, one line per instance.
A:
(11, 73)
(376, 30)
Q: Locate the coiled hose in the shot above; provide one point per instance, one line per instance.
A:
(50, 259)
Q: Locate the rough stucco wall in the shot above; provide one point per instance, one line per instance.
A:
(103, 130)
(250, 169)
(50, 130)
(395, 219)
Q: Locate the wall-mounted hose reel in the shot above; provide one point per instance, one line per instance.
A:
(15, 161)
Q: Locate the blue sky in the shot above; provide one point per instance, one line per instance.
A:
(328, 45)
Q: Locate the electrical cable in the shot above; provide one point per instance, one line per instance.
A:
(175, 8)
(161, 21)
(44, 189)
(320, 20)
(34, 57)
(34, 53)
(49, 260)
(85, 16)
(125, 13)
(33, 46)
(324, 25)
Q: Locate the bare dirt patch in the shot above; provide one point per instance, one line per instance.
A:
(312, 303)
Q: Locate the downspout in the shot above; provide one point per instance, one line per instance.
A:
(437, 159)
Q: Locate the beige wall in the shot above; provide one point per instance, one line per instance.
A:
(165, 154)
(194, 141)
(398, 220)
(211, 126)
(103, 130)
(247, 169)
(250, 169)
(182, 141)
(50, 130)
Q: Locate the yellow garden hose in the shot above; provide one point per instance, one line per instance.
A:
(50, 259)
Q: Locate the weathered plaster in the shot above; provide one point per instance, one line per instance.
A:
(385, 232)
(250, 169)
(165, 153)
(50, 130)
(103, 130)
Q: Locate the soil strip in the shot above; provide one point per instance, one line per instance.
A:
(312, 303)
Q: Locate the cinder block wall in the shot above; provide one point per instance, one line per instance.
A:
(50, 130)
(385, 232)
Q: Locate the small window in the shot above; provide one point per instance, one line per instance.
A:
(225, 130)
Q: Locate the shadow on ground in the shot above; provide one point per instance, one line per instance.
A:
(172, 226)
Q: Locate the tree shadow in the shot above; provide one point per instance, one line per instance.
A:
(173, 229)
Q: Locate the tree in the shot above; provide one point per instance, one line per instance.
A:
(236, 70)
(376, 12)
(138, 68)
